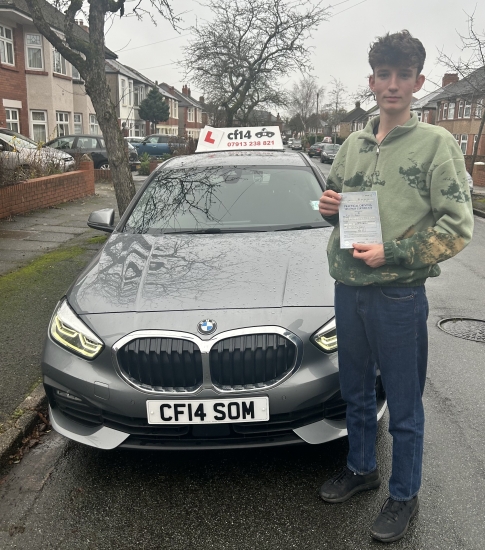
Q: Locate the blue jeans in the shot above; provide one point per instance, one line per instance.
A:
(385, 328)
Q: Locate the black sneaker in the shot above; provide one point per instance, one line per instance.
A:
(345, 484)
(393, 521)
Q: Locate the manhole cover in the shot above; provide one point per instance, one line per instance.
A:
(469, 329)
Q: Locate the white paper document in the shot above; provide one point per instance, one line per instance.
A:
(359, 219)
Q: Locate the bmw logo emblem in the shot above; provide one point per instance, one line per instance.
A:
(207, 326)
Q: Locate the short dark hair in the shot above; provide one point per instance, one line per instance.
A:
(398, 50)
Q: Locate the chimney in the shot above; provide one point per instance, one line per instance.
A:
(185, 90)
(80, 23)
(357, 104)
(449, 78)
(201, 99)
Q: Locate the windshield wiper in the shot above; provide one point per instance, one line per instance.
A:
(296, 227)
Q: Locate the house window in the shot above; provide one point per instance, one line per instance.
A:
(39, 126)
(463, 143)
(190, 115)
(445, 111)
(419, 115)
(457, 137)
(451, 110)
(123, 91)
(58, 62)
(136, 96)
(78, 123)
(199, 115)
(478, 108)
(475, 139)
(35, 59)
(175, 109)
(62, 123)
(75, 73)
(93, 125)
(460, 109)
(12, 119)
(426, 116)
(468, 109)
(130, 92)
(6, 46)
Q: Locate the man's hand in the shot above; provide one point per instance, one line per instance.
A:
(329, 203)
(371, 254)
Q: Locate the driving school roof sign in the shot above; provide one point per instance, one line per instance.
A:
(230, 139)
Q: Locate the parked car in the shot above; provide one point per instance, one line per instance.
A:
(290, 141)
(80, 144)
(327, 139)
(284, 139)
(207, 320)
(296, 145)
(157, 145)
(18, 151)
(315, 149)
(329, 152)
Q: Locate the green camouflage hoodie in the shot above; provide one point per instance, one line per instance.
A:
(425, 206)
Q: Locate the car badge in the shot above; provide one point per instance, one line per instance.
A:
(207, 326)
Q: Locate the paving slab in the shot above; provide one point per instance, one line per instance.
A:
(60, 229)
(50, 237)
(15, 244)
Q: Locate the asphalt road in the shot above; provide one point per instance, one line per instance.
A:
(64, 495)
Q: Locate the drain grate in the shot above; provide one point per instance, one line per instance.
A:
(469, 329)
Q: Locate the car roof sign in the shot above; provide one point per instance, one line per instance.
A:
(257, 138)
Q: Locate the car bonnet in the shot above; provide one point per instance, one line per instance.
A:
(136, 273)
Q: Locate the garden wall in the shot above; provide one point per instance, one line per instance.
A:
(47, 191)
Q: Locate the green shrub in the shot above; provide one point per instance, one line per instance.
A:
(144, 165)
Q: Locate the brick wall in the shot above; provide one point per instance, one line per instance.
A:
(13, 84)
(478, 172)
(48, 191)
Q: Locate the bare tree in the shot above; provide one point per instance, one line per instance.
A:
(304, 97)
(471, 69)
(240, 56)
(363, 95)
(337, 94)
(87, 54)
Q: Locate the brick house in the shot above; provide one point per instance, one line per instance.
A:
(349, 124)
(189, 111)
(460, 109)
(41, 94)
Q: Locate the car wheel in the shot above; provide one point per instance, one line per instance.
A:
(103, 166)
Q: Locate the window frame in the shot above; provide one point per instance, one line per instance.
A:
(190, 114)
(445, 111)
(6, 41)
(93, 125)
(62, 61)
(478, 109)
(80, 115)
(425, 116)
(38, 123)
(9, 120)
(63, 123)
(463, 142)
(461, 106)
(34, 47)
(467, 111)
(123, 91)
(451, 110)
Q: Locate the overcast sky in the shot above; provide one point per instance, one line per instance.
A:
(340, 45)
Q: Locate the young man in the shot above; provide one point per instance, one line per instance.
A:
(381, 309)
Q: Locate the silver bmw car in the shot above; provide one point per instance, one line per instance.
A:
(207, 318)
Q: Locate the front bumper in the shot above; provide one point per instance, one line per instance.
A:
(91, 403)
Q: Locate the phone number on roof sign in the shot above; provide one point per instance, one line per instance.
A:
(250, 143)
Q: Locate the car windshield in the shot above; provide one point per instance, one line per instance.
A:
(230, 198)
(331, 148)
(18, 141)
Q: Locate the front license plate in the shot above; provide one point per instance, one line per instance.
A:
(208, 411)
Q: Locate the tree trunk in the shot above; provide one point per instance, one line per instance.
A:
(475, 148)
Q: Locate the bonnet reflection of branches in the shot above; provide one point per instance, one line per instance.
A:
(188, 195)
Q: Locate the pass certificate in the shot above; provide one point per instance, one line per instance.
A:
(359, 219)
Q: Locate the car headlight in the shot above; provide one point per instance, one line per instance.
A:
(326, 337)
(70, 332)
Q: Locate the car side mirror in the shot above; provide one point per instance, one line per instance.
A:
(102, 220)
